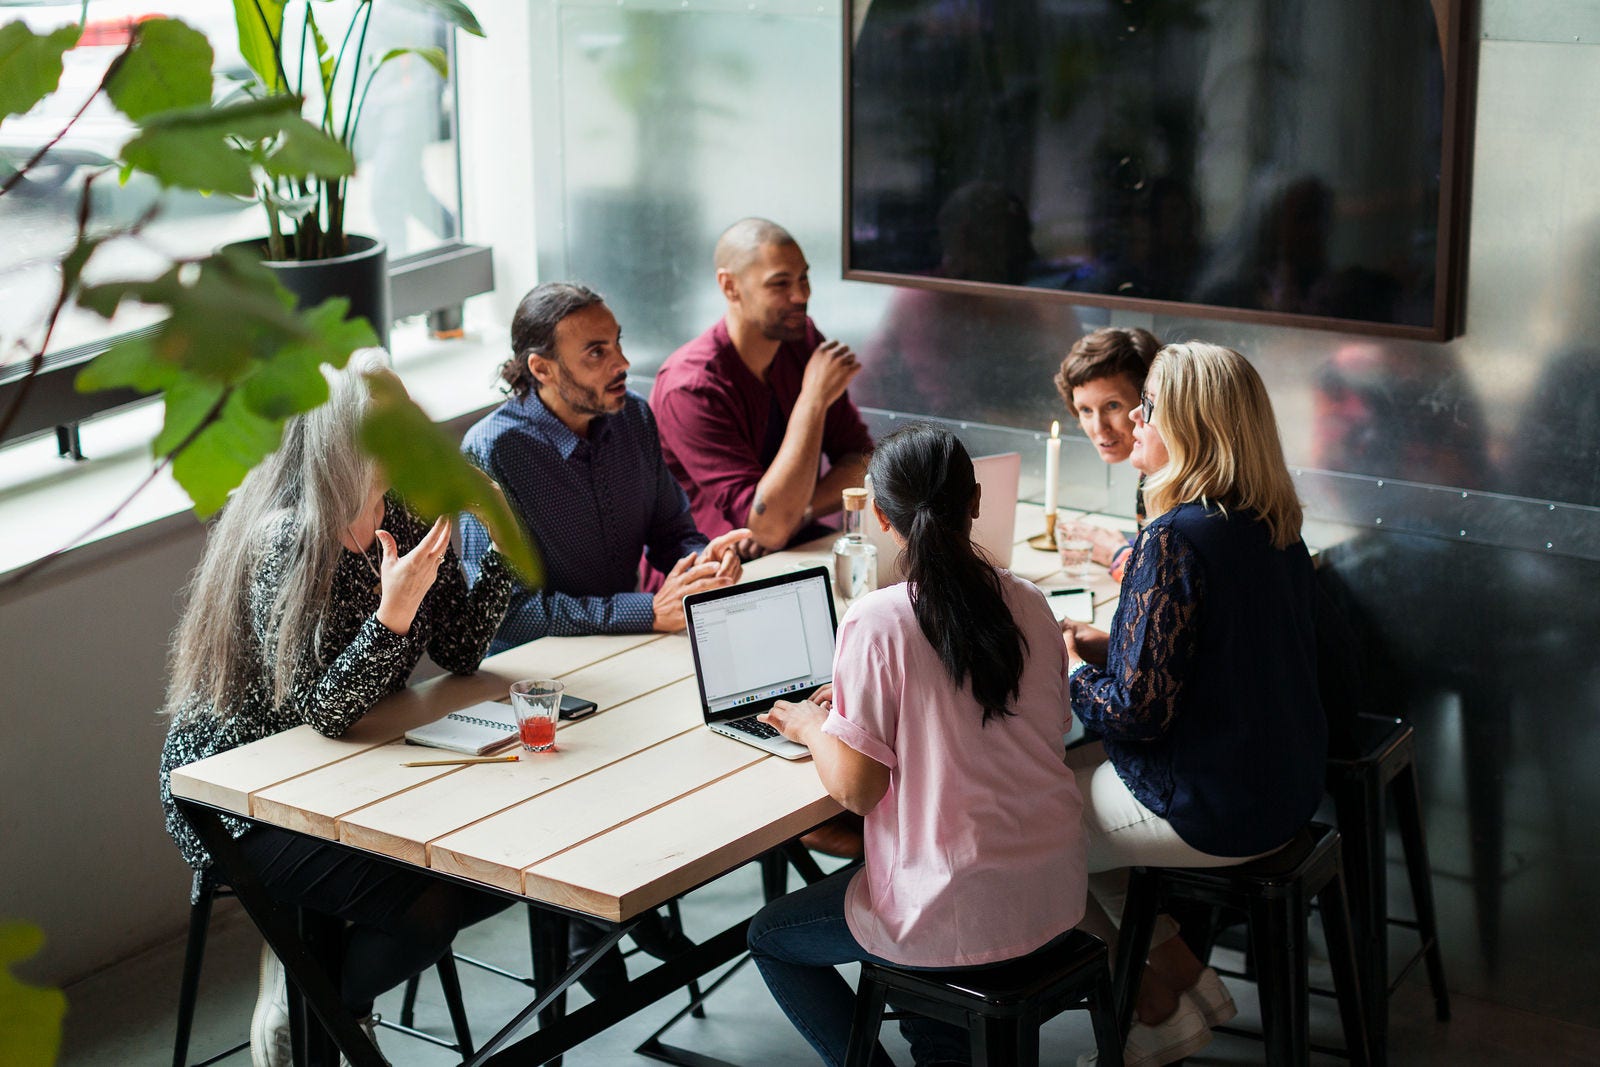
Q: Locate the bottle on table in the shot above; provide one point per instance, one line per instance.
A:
(855, 559)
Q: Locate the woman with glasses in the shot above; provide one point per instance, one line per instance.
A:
(1204, 694)
(943, 727)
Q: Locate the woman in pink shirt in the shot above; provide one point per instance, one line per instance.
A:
(943, 727)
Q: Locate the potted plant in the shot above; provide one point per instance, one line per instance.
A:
(233, 358)
(286, 48)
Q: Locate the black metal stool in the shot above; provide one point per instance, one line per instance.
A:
(1275, 893)
(202, 894)
(1002, 1006)
(1362, 788)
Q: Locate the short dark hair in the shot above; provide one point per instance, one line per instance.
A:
(533, 328)
(1104, 353)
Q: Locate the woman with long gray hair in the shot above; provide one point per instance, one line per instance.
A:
(316, 596)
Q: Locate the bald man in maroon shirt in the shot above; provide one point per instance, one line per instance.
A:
(748, 410)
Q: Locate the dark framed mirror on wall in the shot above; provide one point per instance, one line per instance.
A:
(1292, 162)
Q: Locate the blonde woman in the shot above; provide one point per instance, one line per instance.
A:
(317, 594)
(1204, 693)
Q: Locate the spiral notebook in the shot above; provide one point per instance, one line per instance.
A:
(473, 730)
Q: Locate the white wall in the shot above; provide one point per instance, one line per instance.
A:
(81, 672)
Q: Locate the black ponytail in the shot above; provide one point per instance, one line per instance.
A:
(922, 479)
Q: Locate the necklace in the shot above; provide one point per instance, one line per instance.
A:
(365, 558)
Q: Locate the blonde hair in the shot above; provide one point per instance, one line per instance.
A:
(1216, 420)
(312, 487)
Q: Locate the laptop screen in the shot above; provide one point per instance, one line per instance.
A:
(761, 642)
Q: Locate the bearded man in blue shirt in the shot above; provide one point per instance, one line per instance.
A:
(577, 454)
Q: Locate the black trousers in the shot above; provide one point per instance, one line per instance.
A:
(401, 921)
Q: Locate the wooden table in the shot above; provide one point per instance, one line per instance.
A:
(637, 804)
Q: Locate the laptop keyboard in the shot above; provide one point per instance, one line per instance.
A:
(752, 727)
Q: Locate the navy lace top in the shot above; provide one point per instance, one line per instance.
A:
(1208, 702)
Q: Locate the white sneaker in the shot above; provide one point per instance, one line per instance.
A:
(1212, 998)
(1181, 1034)
(369, 1026)
(269, 1023)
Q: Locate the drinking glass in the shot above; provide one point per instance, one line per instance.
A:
(537, 703)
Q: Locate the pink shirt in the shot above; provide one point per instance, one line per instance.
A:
(976, 852)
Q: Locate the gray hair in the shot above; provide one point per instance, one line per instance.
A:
(740, 243)
(302, 497)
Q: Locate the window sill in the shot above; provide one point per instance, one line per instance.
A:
(47, 501)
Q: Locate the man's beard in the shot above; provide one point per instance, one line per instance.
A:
(778, 330)
(583, 400)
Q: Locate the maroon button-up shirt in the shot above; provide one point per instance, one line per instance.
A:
(716, 421)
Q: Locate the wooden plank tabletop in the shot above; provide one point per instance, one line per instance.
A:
(636, 804)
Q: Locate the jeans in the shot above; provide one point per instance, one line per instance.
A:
(797, 941)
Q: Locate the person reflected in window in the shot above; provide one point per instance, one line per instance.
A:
(943, 727)
(578, 456)
(317, 594)
(1204, 693)
(1100, 381)
(750, 408)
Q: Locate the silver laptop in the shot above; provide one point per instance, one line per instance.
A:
(756, 644)
(994, 531)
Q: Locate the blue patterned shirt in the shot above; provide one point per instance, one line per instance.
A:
(590, 504)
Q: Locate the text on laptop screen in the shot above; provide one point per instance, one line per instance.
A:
(765, 643)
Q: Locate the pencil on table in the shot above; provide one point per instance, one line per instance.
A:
(463, 759)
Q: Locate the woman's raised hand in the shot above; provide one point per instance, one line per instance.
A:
(407, 578)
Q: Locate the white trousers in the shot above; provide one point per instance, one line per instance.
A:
(1123, 833)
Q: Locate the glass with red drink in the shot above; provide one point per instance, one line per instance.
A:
(537, 702)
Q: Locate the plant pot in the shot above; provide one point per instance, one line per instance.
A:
(362, 277)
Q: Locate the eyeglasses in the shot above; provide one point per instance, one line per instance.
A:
(1147, 407)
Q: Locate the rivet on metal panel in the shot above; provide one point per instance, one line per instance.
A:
(1461, 533)
(964, 426)
(1549, 544)
(1463, 495)
(1379, 521)
(1552, 507)
(1380, 483)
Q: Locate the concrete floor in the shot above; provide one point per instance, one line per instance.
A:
(124, 1016)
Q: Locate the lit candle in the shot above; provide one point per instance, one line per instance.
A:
(1052, 466)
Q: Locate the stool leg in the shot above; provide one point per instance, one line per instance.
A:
(450, 983)
(1408, 810)
(194, 954)
(998, 1043)
(1277, 932)
(1368, 895)
(1363, 1045)
(408, 1002)
(1133, 942)
(866, 1024)
(1103, 1017)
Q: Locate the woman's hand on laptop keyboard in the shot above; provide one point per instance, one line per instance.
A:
(795, 721)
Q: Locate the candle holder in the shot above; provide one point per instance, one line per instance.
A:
(1045, 542)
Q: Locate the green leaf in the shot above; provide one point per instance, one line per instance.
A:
(169, 66)
(130, 364)
(194, 148)
(30, 65)
(189, 401)
(327, 61)
(260, 24)
(30, 1016)
(291, 381)
(455, 13)
(224, 452)
(426, 467)
(189, 159)
(304, 149)
(434, 57)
